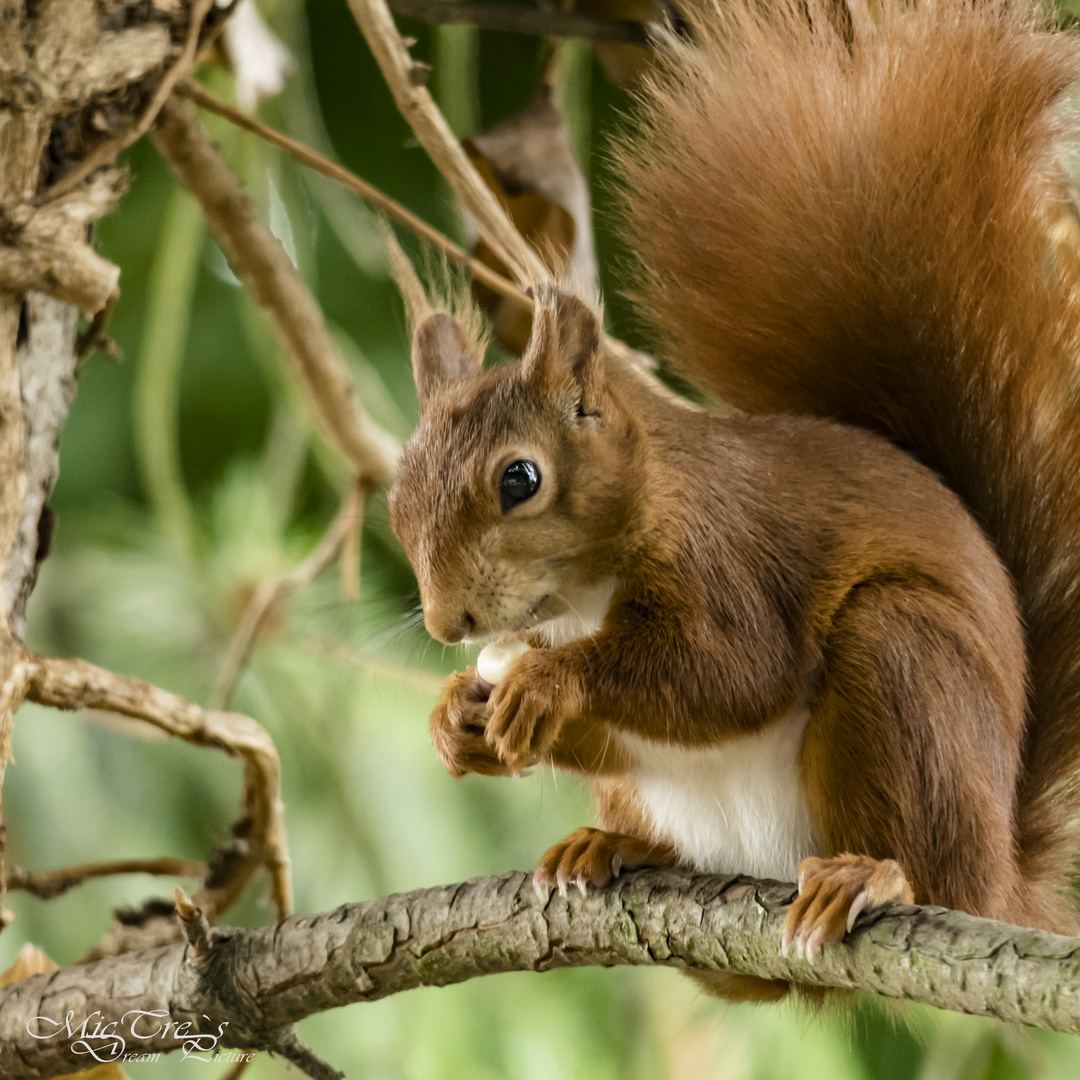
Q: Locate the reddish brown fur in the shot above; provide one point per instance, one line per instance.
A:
(741, 584)
(848, 228)
(859, 233)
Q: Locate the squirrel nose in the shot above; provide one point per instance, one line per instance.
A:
(449, 628)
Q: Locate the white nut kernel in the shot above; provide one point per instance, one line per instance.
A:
(495, 660)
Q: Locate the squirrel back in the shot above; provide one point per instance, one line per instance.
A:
(853, 215)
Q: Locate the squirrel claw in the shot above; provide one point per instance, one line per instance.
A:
(593, 857)
(786, 938)
(813, 944)
(857, 906)
(833, 892)
(542, 885)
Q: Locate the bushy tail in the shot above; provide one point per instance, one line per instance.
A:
(855, 217)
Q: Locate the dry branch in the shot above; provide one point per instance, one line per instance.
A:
(494, 224)
(636, 362)
(514, 19)
(430, 126)
(47, 247)
(48, 270)
(260, 982)
(57, 63)
(75, 684)
(303, 154)
(49, 884)
(196, 926)
(259, 260)
(107, 151)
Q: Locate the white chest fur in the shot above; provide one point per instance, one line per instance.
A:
(735, 808)
(588, 609)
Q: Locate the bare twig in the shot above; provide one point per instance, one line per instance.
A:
(234, 1072)
(350, 553)
(419, 109)
(308, 1062)
(107, 151)
(196, 924)
(93, 337)
(259, 260)
(48, 884)
(273, 591)
(514, 19)
(478, 200)
(302, 153)
(75, 684)
(635, 361)
(413, 293)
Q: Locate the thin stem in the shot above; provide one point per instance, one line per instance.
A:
(431, 129)
(454, 76)
(157, 374)
(513, 19)
(75, 684)
(298, 151)
(49, 884)
(638, 363)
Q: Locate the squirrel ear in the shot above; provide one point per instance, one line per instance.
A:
(566, 340)
(441, 354)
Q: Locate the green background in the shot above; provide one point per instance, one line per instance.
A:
(190, 472)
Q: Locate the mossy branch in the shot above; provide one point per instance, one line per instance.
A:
(257, 983)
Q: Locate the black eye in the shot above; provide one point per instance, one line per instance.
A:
(520, 481)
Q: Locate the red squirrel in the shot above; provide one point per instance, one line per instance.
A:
(833, 637)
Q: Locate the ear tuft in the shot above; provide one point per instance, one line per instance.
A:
(441, 355)
(566, 342)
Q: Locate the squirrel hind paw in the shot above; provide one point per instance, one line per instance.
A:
(833, 892)
(593, 857)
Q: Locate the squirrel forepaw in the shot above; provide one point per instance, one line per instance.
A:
(528, 709)
(832, 894)
(457, 728)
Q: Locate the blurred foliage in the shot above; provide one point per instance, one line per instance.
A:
(191, 471)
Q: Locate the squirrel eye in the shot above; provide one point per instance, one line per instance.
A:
(520, 481)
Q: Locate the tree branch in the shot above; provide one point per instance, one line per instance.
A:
(49, 884)
(259, 260)
(303, 154)
(75, 684)
(107, 151)
(258, 983)
(638, 363)
(516, 19)
(48, 248)
(406, 82)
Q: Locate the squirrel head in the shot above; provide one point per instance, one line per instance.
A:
(520, 482)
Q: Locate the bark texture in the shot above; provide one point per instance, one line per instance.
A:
(76, 78)
(258, 983)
